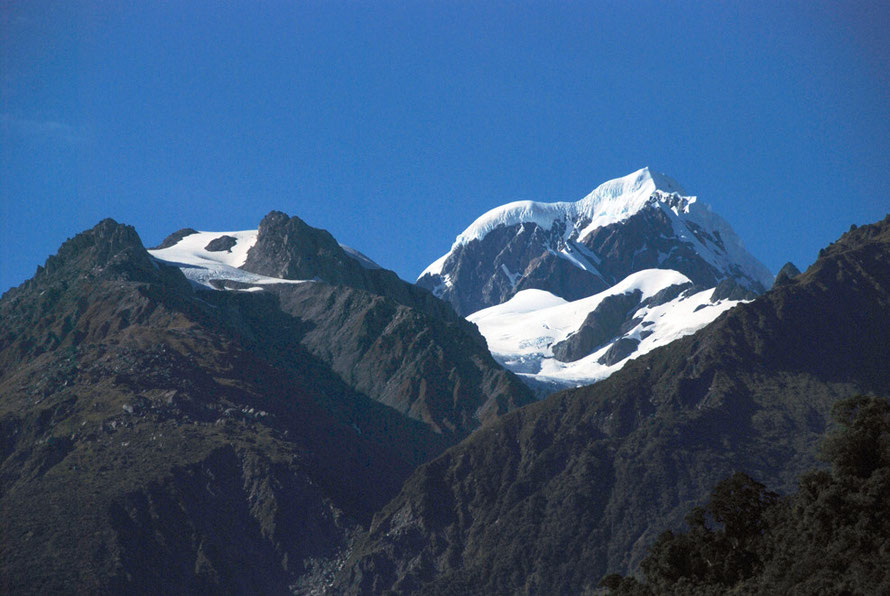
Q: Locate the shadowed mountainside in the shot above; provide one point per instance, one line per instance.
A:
(160, 439)
(553, 496)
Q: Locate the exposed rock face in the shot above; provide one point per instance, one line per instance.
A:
(489, 271)
(556, 250)
(668, 294)
(553, 496)
(288, 248)
(730, 289)
(648, 240)
(175, 237)
(486, 272)
(223, 243)
(786, 274)
(600, 326)
(620, 350)
(156, 439)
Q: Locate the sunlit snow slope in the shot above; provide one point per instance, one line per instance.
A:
(565, 293)
(209, 268)
(204, 267)
(522, 332)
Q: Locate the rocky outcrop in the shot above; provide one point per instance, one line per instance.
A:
(600, 327)
(174, 238)
(786, 274)
(618, 351)
(221, 244)
(730, 289)
(289, 248)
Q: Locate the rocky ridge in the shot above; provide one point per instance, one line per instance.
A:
(552, 497)
(157, 437)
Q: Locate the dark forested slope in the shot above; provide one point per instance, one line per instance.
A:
(552, 497)
(831, 536)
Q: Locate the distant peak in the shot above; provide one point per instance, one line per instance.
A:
(610, 202)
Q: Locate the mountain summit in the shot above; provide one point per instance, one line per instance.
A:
(644, 220)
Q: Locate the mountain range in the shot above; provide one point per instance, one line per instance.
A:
(566, 293)
(550, 497)
(271, 411)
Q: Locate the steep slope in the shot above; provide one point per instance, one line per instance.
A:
(573, 250)
(555, 495)
(156, 437)
(433, 370)
(388, 339)
(288, 248)
(153, 441)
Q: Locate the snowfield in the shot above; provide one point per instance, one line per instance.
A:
(521, 332)
(202, 267)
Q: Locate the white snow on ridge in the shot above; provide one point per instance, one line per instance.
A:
(521, 332)
(191, 250)
(615, 201)
(536, 313)
(610, 202)
(435, 268)
(735, 253)
(202, 267)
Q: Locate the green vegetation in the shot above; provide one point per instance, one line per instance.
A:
(830, 537)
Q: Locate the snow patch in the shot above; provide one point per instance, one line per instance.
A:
(513, 277)
(436, 266)
(203, 267)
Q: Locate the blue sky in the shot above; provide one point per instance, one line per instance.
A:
(395, 124)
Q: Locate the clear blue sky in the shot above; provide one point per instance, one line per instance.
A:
(395, 124)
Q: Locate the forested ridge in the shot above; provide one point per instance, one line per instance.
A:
(832, 536)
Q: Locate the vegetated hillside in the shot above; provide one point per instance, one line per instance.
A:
(435, 370)
(831, 536)
(555, 495)
(158, 439)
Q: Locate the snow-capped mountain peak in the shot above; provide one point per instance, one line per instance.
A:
(553, 343)
(609, 202)
(575, 249)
